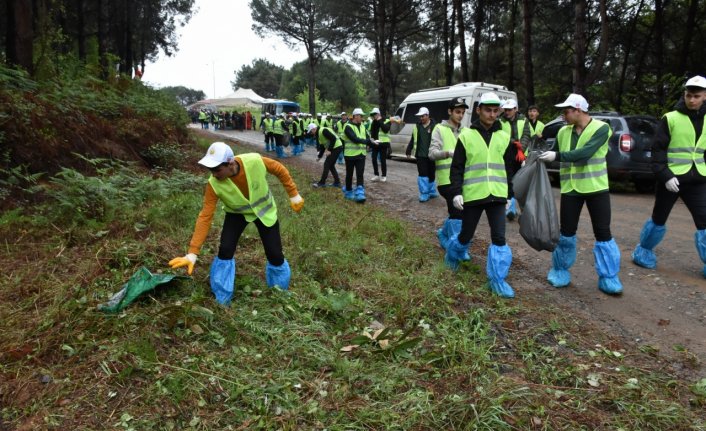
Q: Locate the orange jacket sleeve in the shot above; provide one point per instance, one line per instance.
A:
(277, 169)
(203, 221)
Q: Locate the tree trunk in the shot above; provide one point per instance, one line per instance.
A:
(659, 50)
(81, 31)
(448, 50)
(626, 56)
(102, 39)
(528, 13)
(688, 35)
(600, 59)
(20, 34)
(128, 58)
(477, 35)
(381, 62)
(458, 5)
(579, 46)
(511, 48)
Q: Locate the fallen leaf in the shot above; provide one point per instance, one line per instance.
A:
(196, 329)
(384, 344)
(349, 348)
(536, 421)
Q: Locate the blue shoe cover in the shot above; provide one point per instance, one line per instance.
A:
(423, 185)
(563, 258)
(607, 255)
(359, 194)
(431, 191)
(700, 240)
(278, 276)
(497, 268)
(222, 277)
(511, 210)
(455, 252)
(455, 226)
(443, 233)
(348, 194)
(650, 236)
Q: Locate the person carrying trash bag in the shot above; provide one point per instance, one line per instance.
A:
(419, 145)
(517, 127)
(678, 161)
(355, 140)
(443, 141)
(583, 175)
(479, 167)
(331, 144)
(240, 183)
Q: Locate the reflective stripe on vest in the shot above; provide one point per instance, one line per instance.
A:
(590, 175)
(351, 148)
(383, 136)
(261, 204)
(684, 150)
(484, 174)
(322, 138)
(443, 166)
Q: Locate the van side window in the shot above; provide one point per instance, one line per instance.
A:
(474, 116)
(438, 110)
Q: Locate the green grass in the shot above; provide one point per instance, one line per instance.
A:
(452, 356)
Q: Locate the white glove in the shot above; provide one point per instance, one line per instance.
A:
(450, 154)
(296, 202)
(672, 185)
(524, 162)
(458, 202)
(548, 156)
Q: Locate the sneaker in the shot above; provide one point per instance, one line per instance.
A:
(317, 185)
(383, 179)
(336, 185)
(374, 178)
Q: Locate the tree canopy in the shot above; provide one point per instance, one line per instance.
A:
(261, 76)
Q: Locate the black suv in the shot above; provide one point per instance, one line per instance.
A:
(629, 148)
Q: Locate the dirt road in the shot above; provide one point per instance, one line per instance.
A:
(664, 308)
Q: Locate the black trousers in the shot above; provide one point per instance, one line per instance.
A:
(598, 208)
(356, 163)
(426, 168)
(233, 227)
(694, 197)
(382, 150)
(269, 138)
(330, 166)
(495, 211)
(454, 213)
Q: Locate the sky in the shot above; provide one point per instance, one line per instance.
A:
(217, 41)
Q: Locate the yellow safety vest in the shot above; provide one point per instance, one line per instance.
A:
(351, 148)
(684, 149)
(261, 204)
(484, 174)
(269, 123)
(322, 138)
(539, 128)
(507, 127)
(443, 166)
(383, 136)
(591, 175)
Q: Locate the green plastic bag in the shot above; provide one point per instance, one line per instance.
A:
(142, 281)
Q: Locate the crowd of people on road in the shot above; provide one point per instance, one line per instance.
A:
(223, 120)
(472, 168)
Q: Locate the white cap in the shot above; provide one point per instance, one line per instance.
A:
(510, 104)
(218, 152)
(343, 113)
(574, 101)
(375, 111)
(311, 127)
(696, 81)
(422, 111)
(489, 98)
(357, 111)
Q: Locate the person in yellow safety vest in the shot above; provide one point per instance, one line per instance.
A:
(203, 119)
(443, 141)
(583, 175)
(536, 127)
(480, 164)
(380, 132)
(355, 141)
(278, 130)
(295, 129)
(678, 161)
(330, 144)
(339, 130)
(240, 183)
(515, 125)
(419, 145)
(267, 126)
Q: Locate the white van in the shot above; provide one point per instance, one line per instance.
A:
(437, 100)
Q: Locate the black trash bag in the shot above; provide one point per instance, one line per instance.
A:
(539, 220)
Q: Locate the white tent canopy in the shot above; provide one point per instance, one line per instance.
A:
(241, 97)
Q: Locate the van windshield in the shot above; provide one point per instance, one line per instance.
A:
(438, 110)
